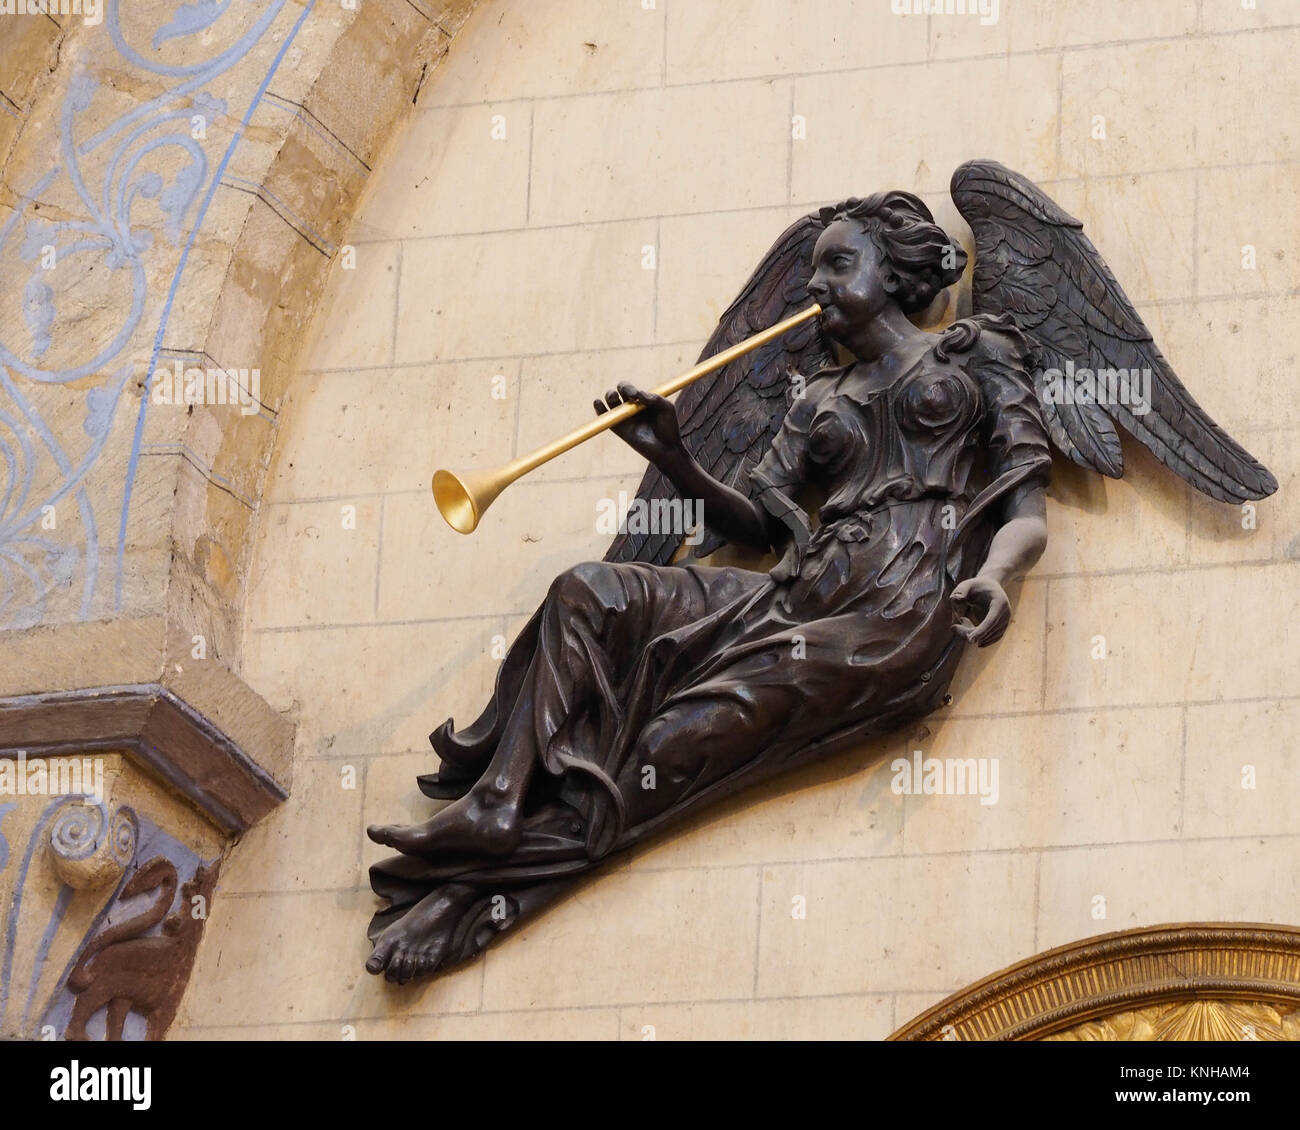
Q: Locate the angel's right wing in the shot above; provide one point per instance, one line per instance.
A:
(1033, 263)
(728, 419)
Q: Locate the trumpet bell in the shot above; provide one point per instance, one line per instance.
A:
(462, 501)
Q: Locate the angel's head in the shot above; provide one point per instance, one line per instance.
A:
(880, 250)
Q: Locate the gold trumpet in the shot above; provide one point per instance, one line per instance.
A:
(462, 499)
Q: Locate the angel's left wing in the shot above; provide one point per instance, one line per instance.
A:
(1033, 262)
(728, 419)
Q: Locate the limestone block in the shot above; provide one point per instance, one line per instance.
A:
(373, 75)
(513, 51)
(454, 170)
(1117, 117)
(1165, 640)
(449, 417)
(843, 808)
(1061, 780)
(716, 42)
(367, 690)
(955, 916)
(1023, 25)
(323, 980)
(1005, 108)
(565, 959)
(1228, 96)
(1098, 524)
(319, 564)
(358, 326)
(744, 127)
(547, 1024)
(286, 852)
(1248, 251)
(1241, 760)
(1239, 354)
(578, 288)
(1237, 880)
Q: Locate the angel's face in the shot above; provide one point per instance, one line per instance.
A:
(848, 278)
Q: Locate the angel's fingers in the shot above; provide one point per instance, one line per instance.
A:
(601, 407)
(992, 630)
(630, 392)
(980, 633)
(612, 398)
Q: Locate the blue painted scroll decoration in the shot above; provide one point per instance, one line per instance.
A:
(53, 358)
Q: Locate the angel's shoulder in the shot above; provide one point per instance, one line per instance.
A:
(984, 338)
(806, 391)
(828, 373)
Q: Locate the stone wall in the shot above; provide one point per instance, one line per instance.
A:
(581, 190)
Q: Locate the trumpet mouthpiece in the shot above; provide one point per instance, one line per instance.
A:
(455, 502)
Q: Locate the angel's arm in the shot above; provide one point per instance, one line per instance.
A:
(1015, 549)
(1018, 446)
(1022, 537)
(727, 512)
(654, 433)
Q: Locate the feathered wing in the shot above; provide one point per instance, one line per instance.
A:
(1033, 262)
(728, 419)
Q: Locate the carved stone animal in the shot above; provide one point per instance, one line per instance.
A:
(123, 969)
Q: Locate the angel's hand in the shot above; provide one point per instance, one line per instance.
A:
(985, 596)
(652, 432)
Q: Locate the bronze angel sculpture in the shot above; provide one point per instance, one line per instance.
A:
(646, 686)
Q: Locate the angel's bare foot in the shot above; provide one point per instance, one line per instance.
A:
(417, 942)
(482, 822)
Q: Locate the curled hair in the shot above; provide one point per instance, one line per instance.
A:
(922, 258)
